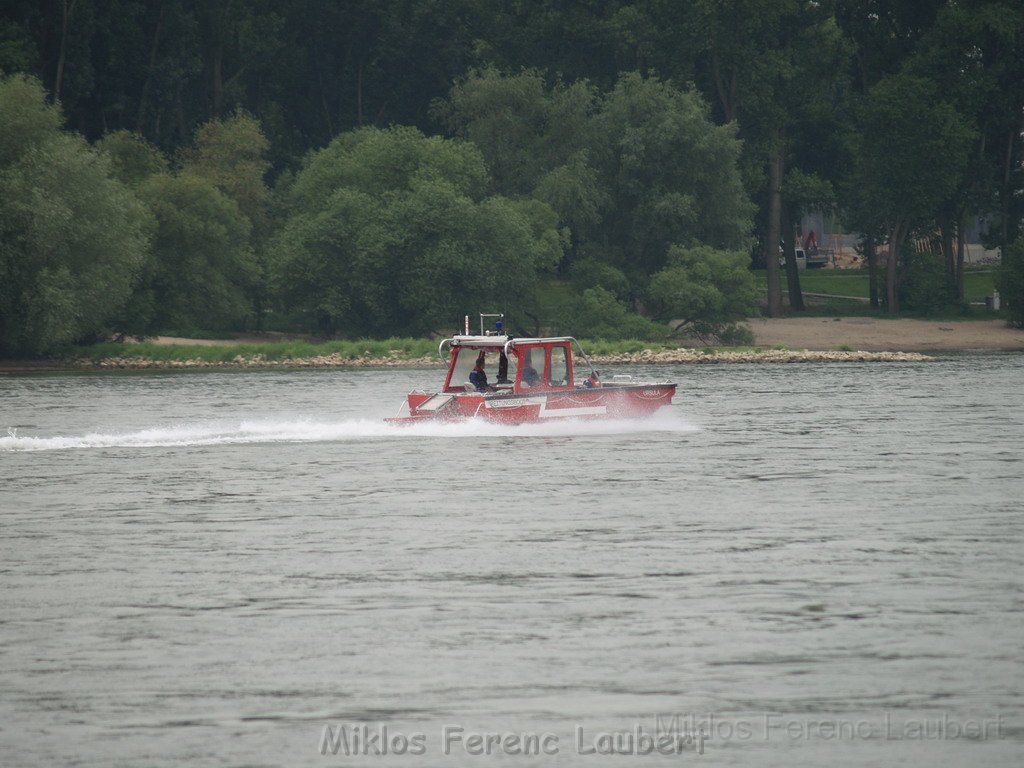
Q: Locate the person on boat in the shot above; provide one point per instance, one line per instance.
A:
(592, 381)
(502, 367)
(478, 376)
(530, 376)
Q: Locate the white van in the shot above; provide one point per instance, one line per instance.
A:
(801, 258)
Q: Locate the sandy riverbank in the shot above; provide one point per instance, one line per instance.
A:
(880, 334)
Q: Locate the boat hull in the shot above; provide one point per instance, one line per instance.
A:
(607, 402)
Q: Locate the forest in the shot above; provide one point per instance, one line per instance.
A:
(613, 169)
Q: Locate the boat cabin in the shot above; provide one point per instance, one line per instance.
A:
(512, 365)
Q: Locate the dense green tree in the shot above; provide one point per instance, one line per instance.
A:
(1011, 281)
(534, 139)
(132, 158)
(231, 153)
(581, 40)
(911, 152)
(237, 93)
(588, 273)
(596, 313)
(884, 34)
(28, 122)
(670, 176)
(72, 238)
(972, 53)
(391, 231)
(203, 266)
(629, 174)
(703, 289)
(523, 128)
(777, 68)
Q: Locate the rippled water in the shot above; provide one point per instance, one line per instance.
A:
(810, 565)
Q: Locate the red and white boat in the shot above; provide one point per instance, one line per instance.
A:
(528, 381)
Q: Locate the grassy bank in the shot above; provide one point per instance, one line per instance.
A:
(361, 351)
(978, 283)
(276, 351)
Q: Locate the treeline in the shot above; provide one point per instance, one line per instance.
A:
(633, 195)
(379, 167)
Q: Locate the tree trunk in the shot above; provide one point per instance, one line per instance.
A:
(871, 254)
(1004, 197)
(726, 94)
(179, 114)
(218, 80)
(960, 237)
(359, 95)
(946, 232)
(771, 247)
(149, 72)
(796, 297)
(67, 8)
(892, 297)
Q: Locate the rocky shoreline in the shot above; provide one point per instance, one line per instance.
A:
(680, 356)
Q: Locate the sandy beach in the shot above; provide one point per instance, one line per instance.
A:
(880, 335)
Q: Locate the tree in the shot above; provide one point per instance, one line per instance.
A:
(803, 192)
(595, 313)
(132, 158)
(703, 289)
(390, 231)
(231, 153)
(911, 151)
(533, 138)
(585, 40)
(1011, 282)
(28, 122)
(776, 67)
(72, 238)
(670, 177)
(523, 128)
(203, 266)
(972, 52)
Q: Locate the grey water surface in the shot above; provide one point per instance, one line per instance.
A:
(793, 565)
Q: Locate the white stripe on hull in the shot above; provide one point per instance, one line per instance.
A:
(545, 412)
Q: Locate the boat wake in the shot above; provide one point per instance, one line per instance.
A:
(308, 431)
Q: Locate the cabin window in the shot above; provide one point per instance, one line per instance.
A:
(533, 368)
(559, 372)
(466, 361)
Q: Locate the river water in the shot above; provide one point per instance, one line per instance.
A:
(793, 565)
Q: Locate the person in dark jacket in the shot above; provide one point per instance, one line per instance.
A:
(478, 376)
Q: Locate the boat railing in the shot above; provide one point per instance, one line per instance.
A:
(441, 348)
(585, 357)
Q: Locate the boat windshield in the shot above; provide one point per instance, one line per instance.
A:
(466, 359)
